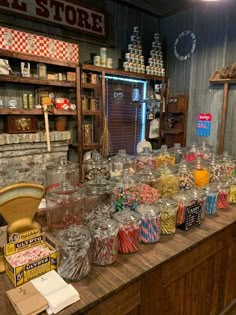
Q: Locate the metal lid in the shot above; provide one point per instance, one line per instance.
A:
(98, 186)
(75, 235)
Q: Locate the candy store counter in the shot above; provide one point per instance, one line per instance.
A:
(191, 272)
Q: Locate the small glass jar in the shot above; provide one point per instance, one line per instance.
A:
(145, 158)
(42, 71)
(216, 168)
(206, 150)
(178, 153)
(223, 195)
(199, 195)
(186, 179)
(125, 193)
(150, 225)
(128, 230)
(74, 253)
(168, 211)
(188, 211)
(168, 184)
(164, 157)
(96, 166)
(211, 199)
(104, 248)
(201, 173)
(122, 161)
(232, 190)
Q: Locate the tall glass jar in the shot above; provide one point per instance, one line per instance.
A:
(178, 153)
(122, 161)
(164, 156)
(150, 225)
(192, 153)
(74, 252)
(146, 158)
(168, 210)
(168, 184)
(223, 195)
(232, 190)
(128, 230)
(211, 199)
(199, 195)
(186, 179)
(206, 150)
(216, 168)
(201, 173)
(96, 166)
(104, 248)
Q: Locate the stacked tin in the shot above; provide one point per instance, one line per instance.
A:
(155, 61)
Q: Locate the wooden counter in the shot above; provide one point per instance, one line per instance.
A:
(192, 273)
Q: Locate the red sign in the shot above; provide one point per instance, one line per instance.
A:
(62, 12)
(205, 117)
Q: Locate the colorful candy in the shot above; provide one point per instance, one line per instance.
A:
(150, 230)
(211, 203)
(232, 194)
(168, 185)
(104, 249)
(168, 222)
(222, 201)
(186, 181)
(201, 177)
(128, 238)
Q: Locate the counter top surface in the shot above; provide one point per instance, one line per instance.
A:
(104, 281)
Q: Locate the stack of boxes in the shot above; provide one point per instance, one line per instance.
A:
(155, 61)
(134, 60)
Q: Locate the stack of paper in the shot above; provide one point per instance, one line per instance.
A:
(56, 291)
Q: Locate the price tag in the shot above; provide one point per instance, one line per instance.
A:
(204, 125)
(192, 217)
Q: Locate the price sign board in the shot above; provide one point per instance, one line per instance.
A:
(204, 125)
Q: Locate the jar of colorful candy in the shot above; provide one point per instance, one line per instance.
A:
(192, 153)
(168, 211)
(211, 199)
(74, 253)
(206, 150)
(168, 184)
(201, 172)
(188, 210)
(216, 168)
(122, 161)
(164, 156)
(128, 231)
(185, 174)
(232, 190)
(96, 166)
(199, 195)
(150, 226)
(125, 193)
(104, 246)
(223, 195)
(145, 158)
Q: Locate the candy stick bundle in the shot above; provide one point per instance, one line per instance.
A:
(128, 238)
(104, 249)
(150, 230)
(222, 200)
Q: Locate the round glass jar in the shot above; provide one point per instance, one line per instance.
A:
(128, 230)
(164, 156)
(104, 247)
(122, 161)
(150, 225)
(74, 252)
(146, 158)
(199, 195)
(168, 211)
(96, 166)
(168, 184)
(216, 168)
(185, 174)
(178, 153)
(223, 195)
(232, 190)
(191, 153)
(201, 173)
(211, 199)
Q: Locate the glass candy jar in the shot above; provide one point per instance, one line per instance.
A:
(98, 198)
(216, 168)
(223, 195)
(168, 211)
(65, 206)
(125, 193)
(164, 157)
(186, 179)
(96, 166)
(188, 211)
(74, 253)
(178, 153)
(211, 199)
(104, 248)
(168, 184)
(191, 153)
(232, 190)
(201, 173)
(150, 226)
(128, 230)
(199, 195)
(145, 158)
(122, 161)
(206, 150)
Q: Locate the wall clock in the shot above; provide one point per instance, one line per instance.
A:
(185, 45)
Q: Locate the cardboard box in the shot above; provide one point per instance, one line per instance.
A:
(25, 272)
(70, 76)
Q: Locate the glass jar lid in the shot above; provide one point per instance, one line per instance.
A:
(98, 186)
(184, 196)
(62, 166)
(198, 192)
(166, 203)
(148, 210)
(126, 216)
(103, 225)
(75, 235)
(96, 160)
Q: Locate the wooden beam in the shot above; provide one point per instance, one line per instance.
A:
(223, 117)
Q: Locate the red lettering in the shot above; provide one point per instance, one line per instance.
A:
(83, 19)
(58, 8)
(42, 10)
(97, 21)
(4, 3)
(70, 14)
(16, 5)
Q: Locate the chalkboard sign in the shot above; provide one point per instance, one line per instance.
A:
(192, 217)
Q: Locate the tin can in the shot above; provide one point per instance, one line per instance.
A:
(136, 29)
(109, 62)
(96, 60)
(92, 104)
(103, 52)
(127, 56)
(103, 61)
(130, 47)
(84, 103)
(126, 65)
(87, 133)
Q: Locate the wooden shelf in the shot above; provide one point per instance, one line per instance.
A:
(25, 80)
(92, 112)
(92, 146)
(90, 85)
(20, 111)
(174, 131)
(222, 81)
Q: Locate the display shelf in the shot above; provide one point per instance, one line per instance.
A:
(91, 112)
(92, 146)
(19, 111)
(90, 85)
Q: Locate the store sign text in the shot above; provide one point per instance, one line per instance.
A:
(61, 12)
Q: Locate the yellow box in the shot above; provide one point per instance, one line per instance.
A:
(35, 268)
(70, 76)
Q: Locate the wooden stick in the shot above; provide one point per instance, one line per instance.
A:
(45, 110)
